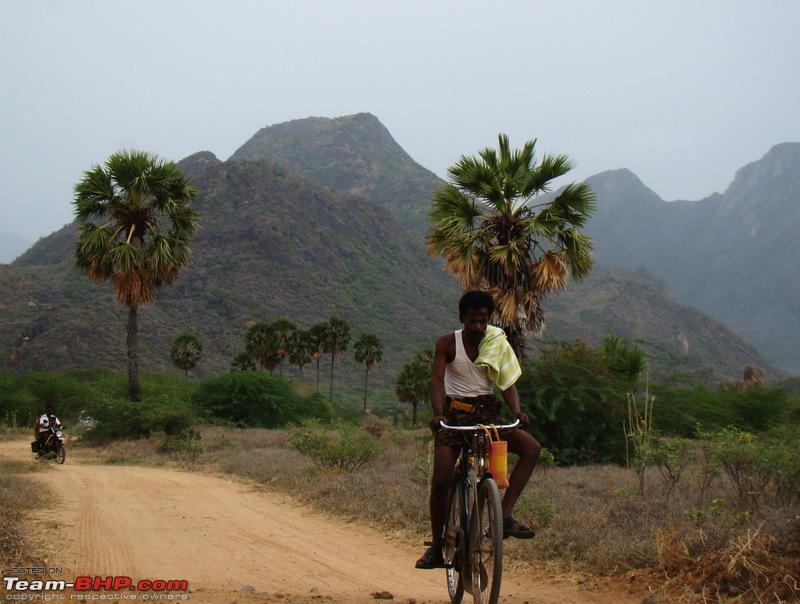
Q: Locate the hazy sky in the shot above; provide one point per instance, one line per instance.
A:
(683, 93)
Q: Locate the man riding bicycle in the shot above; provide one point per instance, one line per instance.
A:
(467, 365)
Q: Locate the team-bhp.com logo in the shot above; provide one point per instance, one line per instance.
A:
(95, 588)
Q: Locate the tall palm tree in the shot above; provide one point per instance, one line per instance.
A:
(317, 333)
(369, 351)
(300, 349)
(137, 229)
(283, 333)
(413, 385)
(259, 342)
(495, 234)
(335, 343)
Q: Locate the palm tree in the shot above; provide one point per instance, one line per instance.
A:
(186, 352)
(628, 362)
(335, 343)
(137, 229)
(317, 335)
(259, 343)
(413, 384)
(300, 349)
(283, 333)
(369, 351)
(495, 234)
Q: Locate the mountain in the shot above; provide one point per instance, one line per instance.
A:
(735, 256)
(275, 242)
(11, 246)
(354, 154)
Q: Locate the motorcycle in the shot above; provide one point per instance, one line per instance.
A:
(53, 447)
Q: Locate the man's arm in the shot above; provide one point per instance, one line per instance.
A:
(511, 397)
(437, 381)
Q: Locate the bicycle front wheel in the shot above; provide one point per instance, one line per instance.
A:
(486, 544)
(61, 454)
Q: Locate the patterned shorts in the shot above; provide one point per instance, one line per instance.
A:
(486, 411)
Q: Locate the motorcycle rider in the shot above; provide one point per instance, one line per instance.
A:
(36, 424)
(46, 421)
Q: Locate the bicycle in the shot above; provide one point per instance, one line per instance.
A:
(472, 543)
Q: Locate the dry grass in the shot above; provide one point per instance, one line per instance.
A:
(19, 495)
(685, 543)
(750, 567)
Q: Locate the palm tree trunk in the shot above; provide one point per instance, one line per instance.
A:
(366, 374)
(330, 396)
(134, 388)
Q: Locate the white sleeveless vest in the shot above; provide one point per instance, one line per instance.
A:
(462, 378)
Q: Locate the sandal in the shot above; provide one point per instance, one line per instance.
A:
(432, 558)
(514, 528)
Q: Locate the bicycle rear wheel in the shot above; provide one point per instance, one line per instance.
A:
(486, 541)
(453, 543)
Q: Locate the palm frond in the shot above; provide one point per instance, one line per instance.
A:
(133, 288)
(575, 204)
(550, 272)
(94, 195)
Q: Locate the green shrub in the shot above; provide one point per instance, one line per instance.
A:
(69, 393)
(673, 456)
(347, 449)
(256, 399)
(577, 403)
(18, 406)
(783, 464)
(744, 460)
(121, 419)
(680, 410)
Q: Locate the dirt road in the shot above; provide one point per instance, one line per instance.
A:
(232, 543)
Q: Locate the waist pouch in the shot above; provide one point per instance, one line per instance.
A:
(487, 402)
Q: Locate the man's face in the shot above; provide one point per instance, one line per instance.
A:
(475, 321)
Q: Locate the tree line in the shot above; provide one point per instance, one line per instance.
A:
(270, 346)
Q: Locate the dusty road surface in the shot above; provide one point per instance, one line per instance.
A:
(232, 543)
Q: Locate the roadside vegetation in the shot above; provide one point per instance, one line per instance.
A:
(694, 494)
(18, 497)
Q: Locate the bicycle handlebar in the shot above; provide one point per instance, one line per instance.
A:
(445, 426)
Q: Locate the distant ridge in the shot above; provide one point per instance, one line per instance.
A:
(735, 256)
